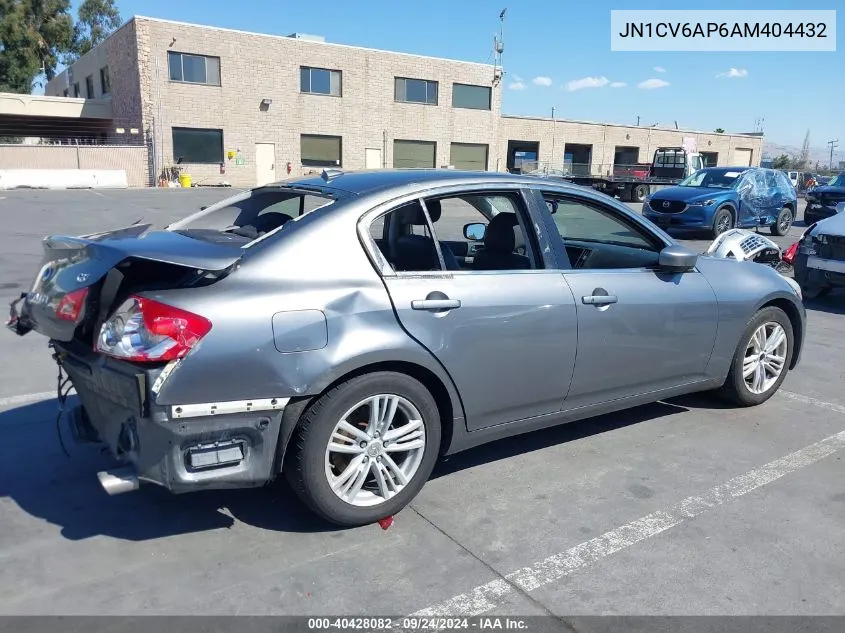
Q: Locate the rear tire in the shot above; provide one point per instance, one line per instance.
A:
(763, 382)
(783, 222)
(639, 193)
(722, 221)
(313, 469)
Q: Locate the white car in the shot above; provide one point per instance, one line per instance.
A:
(819, 256)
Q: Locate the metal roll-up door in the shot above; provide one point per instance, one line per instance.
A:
(472, 156)
(418, 154)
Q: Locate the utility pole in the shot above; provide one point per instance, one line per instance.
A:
(553, 137)
(498, 49)
(834, 143)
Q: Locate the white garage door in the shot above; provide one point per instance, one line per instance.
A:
(742, 157)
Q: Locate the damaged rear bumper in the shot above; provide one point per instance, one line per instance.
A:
(183, 448)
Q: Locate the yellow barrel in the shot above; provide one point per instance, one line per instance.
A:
(185, 180)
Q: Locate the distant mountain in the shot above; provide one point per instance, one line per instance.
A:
(817, 154)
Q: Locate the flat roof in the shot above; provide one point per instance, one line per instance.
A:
(57, 107)
(306, 41)
(630, 127)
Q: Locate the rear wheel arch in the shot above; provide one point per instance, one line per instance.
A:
(297, 407)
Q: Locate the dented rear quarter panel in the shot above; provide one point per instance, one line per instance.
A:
(317, 264)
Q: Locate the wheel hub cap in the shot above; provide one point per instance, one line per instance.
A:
(765, 358)
(375, 450)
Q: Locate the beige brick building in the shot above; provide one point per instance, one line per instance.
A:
(246, 108)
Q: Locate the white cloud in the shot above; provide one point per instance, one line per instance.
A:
(517, 85)
(618, 84)
(517, 78)
(659, 69)
(651, 84)
(586, 82)
(542, 81)
(734, 72)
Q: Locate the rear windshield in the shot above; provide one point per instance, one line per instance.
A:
(248, 217)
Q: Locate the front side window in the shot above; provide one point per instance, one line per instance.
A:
(197, 145)
(320, 81)
(319, 150)
(597, 237)
(415, 91)
(194, 69)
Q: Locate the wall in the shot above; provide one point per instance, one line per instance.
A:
(605, 137)
(254, 67)
(134, 160)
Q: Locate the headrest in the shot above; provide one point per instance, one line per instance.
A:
(413, 213)
(500, 234)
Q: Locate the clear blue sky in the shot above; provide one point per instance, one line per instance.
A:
(564, 41)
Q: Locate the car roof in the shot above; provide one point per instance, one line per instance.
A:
(369, 181)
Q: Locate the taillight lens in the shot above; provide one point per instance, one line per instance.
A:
(789, 254)
(143, 330)
(71, 305)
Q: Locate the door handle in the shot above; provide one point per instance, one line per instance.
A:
(599, 300)
(435, 304)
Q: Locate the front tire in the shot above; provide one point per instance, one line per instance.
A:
(783, 222)
(639, 193)
(722, 221)
(761, 360)
(365, 448)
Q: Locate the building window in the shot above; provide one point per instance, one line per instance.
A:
(89, 87)
(416, 91)
(473, 97)
(320, 81)
(76, 90)
(318, 150)
(710, 159)
(414, 154)
(105, 80)
(194, 69)
(194, 145)
(471, 156)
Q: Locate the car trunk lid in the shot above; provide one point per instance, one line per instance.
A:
(71, 264)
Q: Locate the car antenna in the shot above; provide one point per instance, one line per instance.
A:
(328, 174)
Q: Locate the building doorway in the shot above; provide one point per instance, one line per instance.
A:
(522, 156)
(265, 163)
(372, 158)
(578, 158)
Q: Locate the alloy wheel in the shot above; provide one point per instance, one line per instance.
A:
(723, 223)
(375, 450)
(785, 221)
(765, 357)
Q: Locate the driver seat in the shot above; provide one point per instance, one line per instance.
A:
(500, 242)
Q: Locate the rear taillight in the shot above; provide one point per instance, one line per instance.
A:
(71, 305)
(143, 330)
(789, 254)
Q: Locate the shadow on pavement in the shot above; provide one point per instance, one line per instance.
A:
(834, 303)
(37, 476)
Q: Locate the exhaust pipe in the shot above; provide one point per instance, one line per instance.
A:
(119, 480)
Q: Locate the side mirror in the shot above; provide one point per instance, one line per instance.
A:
(475, 231)
(677, 259)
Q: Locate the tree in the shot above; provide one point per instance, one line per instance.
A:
(34, 34)
(804, 158)
(97, 20)
(720, 130)
(781, 162)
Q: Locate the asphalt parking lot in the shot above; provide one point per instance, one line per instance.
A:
(684, 507)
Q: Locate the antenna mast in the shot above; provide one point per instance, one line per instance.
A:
(498, 49)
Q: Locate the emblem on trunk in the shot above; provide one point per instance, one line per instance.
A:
(82, 277)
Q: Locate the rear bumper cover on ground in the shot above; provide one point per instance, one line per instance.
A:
(192, 452)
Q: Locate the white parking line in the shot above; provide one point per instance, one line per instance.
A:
(25, 398)
(486, 597)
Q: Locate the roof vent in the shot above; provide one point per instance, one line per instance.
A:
(305, 36)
